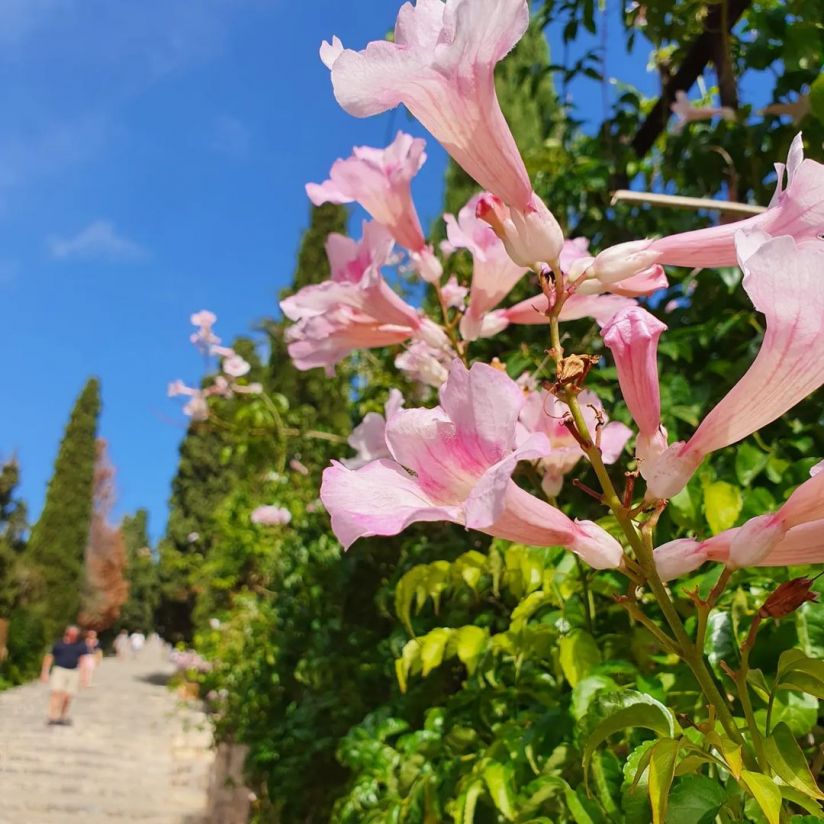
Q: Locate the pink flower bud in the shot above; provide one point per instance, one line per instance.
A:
(679, 557)
(596, 546)
(623, 261)
(531, 237)
(427, 265)
(754, 541)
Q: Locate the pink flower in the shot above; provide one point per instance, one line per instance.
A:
(271, 516)
(797, 210)
(617, 264)
(196, 408)
(440, 66)
(350, 258)
(179, 388)
(531, 235)
(544, 413)
(794, 534)
(632, 337)
(235, 366)
(797, 109)
(426, 264)
(296, 466)
(204, 337)
(340, 315)
(784, 281)
(572, 250)
(424, 363)
(454, 295)
(493, 272)
(368, 439)
(688, 112)
(379, 179)
(453, 463)
(532, 311)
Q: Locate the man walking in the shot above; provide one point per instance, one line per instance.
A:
(64, 662)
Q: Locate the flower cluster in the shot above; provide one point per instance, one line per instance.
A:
(456, 461)
(226, 383)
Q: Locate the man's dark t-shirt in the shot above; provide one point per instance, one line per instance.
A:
(66, 655)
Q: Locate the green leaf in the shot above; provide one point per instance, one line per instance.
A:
(585, 691)
(634, 710)
(766, 793)
(722, 505)
(797, 710)
(661, 772)
(796, 671)
(788, 761)
(409, 661)
(498, 780)
(749, 462)
(579, 655)
(695, 799)
(469, 643)
(468, 802)
(433, 645)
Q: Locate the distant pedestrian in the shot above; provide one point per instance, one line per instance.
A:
(137, 640)
(121, 644)
(64, 663)
(90, 661)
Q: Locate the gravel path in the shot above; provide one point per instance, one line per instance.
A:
(134, 752)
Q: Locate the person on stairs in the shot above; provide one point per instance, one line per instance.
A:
(64, 663)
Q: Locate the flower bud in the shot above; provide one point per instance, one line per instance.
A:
(623, 261)
(427, 265)
(531, 237)
(677, 558)
(753, 542)
(596, 546)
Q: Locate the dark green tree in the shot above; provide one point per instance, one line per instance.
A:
(142, 573)
(58, 540)
(12, 529)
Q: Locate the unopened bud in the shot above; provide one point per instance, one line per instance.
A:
(677, 558)
(427, 265)
(623, 261)
(531, 237)
(596, 546)
(753, 541)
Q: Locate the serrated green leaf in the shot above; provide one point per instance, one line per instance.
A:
(432, 649)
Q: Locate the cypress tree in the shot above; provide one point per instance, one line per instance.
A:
(141, 571)
(58, 540)
(12, 528)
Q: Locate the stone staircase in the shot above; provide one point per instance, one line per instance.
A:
(135, 752)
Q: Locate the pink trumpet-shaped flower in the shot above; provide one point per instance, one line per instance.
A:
(794, 534)
(784, 281)
(797, 210)
(688, 112)
(352, 311)
(454, 295)
(544, 413)
(441, 66)
(235, 366)
(632, 337)
(532, 311)
(204, 337)
(494, 274)
(368, 438)
(531, 235)
(453, 463)
(197, 408)
(425, 364)
(350, 258)
(380, 180)
(271, 516)
(177, 388)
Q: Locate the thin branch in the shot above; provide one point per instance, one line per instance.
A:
(727, 207)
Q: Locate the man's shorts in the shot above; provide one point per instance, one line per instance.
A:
(65, 680)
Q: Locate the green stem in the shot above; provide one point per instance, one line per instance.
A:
(586, 594)
(644, 554)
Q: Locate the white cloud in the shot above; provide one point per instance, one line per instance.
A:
(98, 241)
(229, 136)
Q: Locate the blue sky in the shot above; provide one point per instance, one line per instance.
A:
(152, 162)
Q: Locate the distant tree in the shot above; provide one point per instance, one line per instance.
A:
(58, 540)
(12, 543)
(105, 586)
(142, 573)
